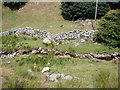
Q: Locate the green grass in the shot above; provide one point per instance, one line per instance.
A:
(87, 48)
(81, 49)
(23, 42)
(92, 74)
(42, 16)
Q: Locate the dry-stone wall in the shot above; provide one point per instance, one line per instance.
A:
(43, 34)
(27, 31)
(41, 51)
(75, 34)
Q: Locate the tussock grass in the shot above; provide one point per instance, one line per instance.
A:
(106, 79)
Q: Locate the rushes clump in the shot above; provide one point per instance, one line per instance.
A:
(106, 79)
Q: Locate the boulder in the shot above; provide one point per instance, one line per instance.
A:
(4, 56)
(76, 78)
(77, 44)
(35, 51)
(72, 55)
(57, 52)
(47, 40)
(82, 41)
(8, 62)
(103, 57)
(4, 52)
(25, 52)
(68, 77)
(10, 56)
(67, 53)
(118, 55)
(45, 53)
(48, 64)
(0, 53)
(116, 60)
(29, 70)
(62, 75)
(14, 54)
(47, 74)
(57, 44)
(54, 77)
(46, 69)
(88, 56)
(40, 48)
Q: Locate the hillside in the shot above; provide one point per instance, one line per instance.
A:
(43, 15)
(33, 58)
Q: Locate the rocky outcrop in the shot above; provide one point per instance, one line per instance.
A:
(42, 51)
(103, 56)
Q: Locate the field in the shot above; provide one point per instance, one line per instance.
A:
(83, 48)
(26, 71)
(91, 74)
(44, 16)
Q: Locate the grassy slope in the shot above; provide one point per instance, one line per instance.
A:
(81, 49)
(43, 15)
(70, 47)
(91, 74)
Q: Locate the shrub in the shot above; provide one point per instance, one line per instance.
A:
(24, 38)
(84, 10)
(9, 51)
(109, 30)
(37, 60)
(9, 42)
(114, 5)
(14, 4)
(34, 38)
(60, 42)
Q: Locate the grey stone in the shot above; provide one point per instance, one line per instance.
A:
(68, 77)
(46, 69)
(47, 74)
(103, 56)
(29, 70)
(48, 64)
(76, 78)
(40, 48)
(47, 41)
(77, 44)
(82, 40)
(54, 77)
(10, 56)
(62, 75)
(8, 62)
(34, 51)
